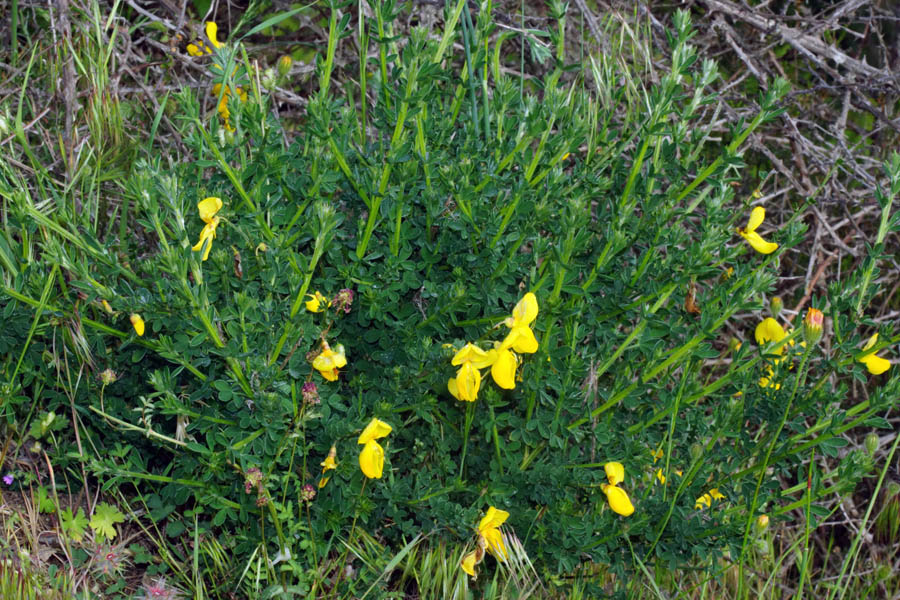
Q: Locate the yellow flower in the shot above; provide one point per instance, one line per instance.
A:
(657, 455)
(615, 472)
(767, 381)
(106, 306)
(329, 361)
(706, 499)
(770, 331)
(489, 530)
(469, 359)
(753, 238)
(767, 331)
(521, 337)
(471, 560)
(211, 31)
(200, 48)
(208, 208)
(328, 464)
(222, 107)
(138, 323)
(875, 364)
(660, 476)
(371, 459)
(618, 500)
(315, 302)
(504, 369)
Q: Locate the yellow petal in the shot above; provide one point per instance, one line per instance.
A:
(872, 341)
(716, 494)
(470, 352)
(525, 342)
(759, 244)
(618, 500)
(660, 476)
(468, 563)
(769, 331)
(451, 387)
(208, 207)
(495, 544)
(704, 500)
(875, 364)
(207, 233)
(657, 455)
(329, 374)
(371, 459)
(211, 31)
(323, 482)
(757, 215)
(492, 519)
(525, 312)
(489, 358)
(504, 370)
(468, 380)
(339, 357)
(330, 462)
(313, 304)
(615, 472)
(767, 381)
(194, 50)
(138, 323)
(374, 430)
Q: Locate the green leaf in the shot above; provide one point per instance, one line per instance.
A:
(74, 525)
(45, 502)
(104, 520)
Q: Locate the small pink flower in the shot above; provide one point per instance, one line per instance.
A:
(344, 299)
(310, 393)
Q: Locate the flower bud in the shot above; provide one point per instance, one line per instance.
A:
(775, 306)
(762, 523)
(284, 65)
(696, 451)
(138, 323)
(734, 344)
(872, 443)
(268, 79)
(892, 489)
(812, 326)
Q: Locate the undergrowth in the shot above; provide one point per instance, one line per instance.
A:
(459, 311)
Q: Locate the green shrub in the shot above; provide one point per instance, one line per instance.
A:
(438, 207)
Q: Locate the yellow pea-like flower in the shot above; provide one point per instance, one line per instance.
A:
(371, 459)
(138, 323)
(207, 208)
(875, 364)
(757, 215)
(329, 361)
(329, 464)
(615, 472)
(618, 500)
(317, 302)
(489, 529)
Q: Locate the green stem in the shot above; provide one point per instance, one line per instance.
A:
(751, 514)
(470, 414)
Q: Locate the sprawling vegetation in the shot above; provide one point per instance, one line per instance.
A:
(490, 315)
